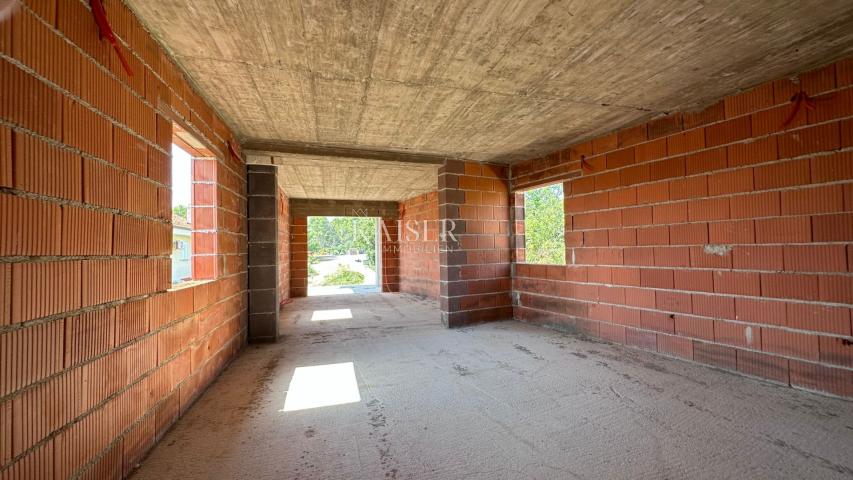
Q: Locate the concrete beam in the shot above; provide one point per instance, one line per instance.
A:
(294, 150)
(306, 207)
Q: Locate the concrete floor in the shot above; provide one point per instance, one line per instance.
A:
(501, 400)
(319, 291)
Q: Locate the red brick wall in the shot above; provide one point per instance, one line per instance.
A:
(97, 357)
(283, 245)
(205, 237)
(298, 256)
(419, 248)
(474, 263)
(390, 249)
(719, 236)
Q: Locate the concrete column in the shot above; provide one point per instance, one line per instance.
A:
(474, 252)
(263, 254)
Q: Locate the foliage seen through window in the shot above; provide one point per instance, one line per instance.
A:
(544, 226)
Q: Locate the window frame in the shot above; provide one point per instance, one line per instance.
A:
(204, 249)
(521, 229)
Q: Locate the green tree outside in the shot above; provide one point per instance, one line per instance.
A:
(180, 211)
(544, 226)
(339, 235)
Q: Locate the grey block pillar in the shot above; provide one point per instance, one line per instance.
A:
(263, 253)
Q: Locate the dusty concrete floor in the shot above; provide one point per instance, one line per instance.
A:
(501, 400)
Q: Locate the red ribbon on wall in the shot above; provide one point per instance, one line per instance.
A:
(800, 99)
(105, 31)
(233, 152)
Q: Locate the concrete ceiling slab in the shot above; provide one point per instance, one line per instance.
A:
(327, 176)
(487, 80)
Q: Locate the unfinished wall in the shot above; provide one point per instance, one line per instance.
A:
(721, 236)
(298, 254)
(419, 245)
(302, 208)
(283, 245)
(390, 248)
(474, 262)
(97, 356)
(262, 196)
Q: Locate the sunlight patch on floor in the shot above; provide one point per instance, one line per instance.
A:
(324, 315)
(322, 386)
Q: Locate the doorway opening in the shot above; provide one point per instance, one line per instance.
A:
(343, 255)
